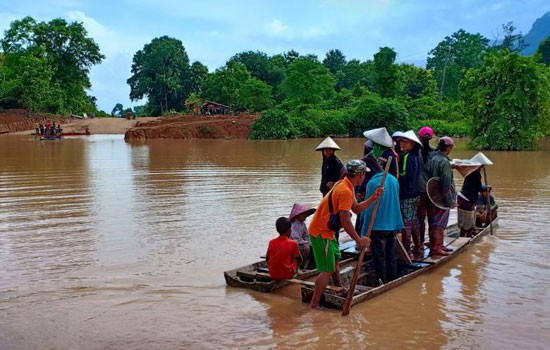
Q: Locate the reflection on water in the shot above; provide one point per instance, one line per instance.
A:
(105, 244)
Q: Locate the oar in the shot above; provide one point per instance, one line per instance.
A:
(488, 202)
(353, 283)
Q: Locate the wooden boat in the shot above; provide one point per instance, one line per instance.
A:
(49, 138)
(367, 286)
(256, 276)
(84, 133)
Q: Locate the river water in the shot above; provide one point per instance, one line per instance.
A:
(110, 245)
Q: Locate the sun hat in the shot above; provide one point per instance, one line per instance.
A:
(380, 136)
(298, 209)
(481, 159)
(447, 141)
(409, 135)
(356, 166)
(327, 143)
(426, 131)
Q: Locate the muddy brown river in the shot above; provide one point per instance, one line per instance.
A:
(110, 245)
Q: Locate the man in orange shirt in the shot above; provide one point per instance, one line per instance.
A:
(323, 242)
(282, 253)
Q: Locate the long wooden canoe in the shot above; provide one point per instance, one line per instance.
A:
(368, 287)
(255, 276)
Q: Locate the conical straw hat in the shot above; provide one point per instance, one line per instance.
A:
(481, 159)
(298, 209)
(327, 143)
(465, 167)
(380, 136)
(409, 135)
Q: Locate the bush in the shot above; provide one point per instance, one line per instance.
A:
(273, 124)
(375, 112)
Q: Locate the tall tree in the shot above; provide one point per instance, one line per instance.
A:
(161, 72)
(334, 61)
(223, 85)
(261, 66)
(387, 73)
(512, 41)
(543, 52)
(254, 96)
(308, 82)
(417, 82)
(66, 55)
(452, 57)
(509, 98)
(356, 73)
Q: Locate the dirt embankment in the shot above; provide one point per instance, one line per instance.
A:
(174, 127)
(193, 126)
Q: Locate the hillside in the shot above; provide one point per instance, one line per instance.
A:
(539, 32)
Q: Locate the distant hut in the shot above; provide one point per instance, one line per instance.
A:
(211, 108)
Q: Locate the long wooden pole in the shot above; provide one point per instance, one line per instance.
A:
(489, 213)
(349, 297)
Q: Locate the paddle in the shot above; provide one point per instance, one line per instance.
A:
(489, 214)
(349, 297)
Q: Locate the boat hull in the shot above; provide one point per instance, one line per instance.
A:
(367, 288)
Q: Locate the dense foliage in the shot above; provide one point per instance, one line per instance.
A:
(510, 99)
(470, 87)
(46, 66)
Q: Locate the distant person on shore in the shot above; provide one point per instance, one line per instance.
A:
(438, 218)
(332, 169)
(424, 155)
(282, 253)
(299, 232)
(325, 247)
(481, 206)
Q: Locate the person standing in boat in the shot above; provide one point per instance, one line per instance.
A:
(387, 223)
(466, 202)
(409, 195)
(323, 243)
(438, 218)
(282, 253)
(424, 155)
(332, 169)
(383, 148)
(299, 232)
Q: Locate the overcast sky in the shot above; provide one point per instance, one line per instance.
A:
(214, 30)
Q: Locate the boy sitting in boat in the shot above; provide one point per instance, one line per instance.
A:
(299, 231)
(282, 253)
(481, 206)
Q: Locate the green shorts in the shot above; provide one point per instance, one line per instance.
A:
(326, 253)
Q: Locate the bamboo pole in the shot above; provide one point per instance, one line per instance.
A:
(489, 209)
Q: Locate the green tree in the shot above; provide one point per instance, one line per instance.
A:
(198, 73)
(543, 52)
(223, 85)
(417, 82)
(254, 96)
(307, 82)
(509, 100)
(387, 73)
(375, 112)
(356, 73)
(161, 72)
(63, 55)
(452, 57)
(118, 110)
(273, 124)
(512, 41)
(334, 61)
(262, 67)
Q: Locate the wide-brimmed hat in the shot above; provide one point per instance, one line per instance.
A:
(380, 136)
(298, 209)
(327, 143)
(481, 159)
(409, 135)
(465, 166)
